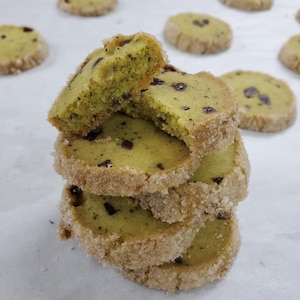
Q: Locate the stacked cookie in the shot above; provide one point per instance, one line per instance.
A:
(155, 165)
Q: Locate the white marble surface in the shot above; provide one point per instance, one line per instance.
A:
(34, 264)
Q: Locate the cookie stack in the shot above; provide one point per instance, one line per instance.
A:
(154, 163)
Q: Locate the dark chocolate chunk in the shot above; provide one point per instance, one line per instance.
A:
(115, 102)
(223, 215)
(126, 96)
(250, 91)
(126, 144)
(201, 23)
(157, 81)
(3, 36)
(169, 68)
(178, 260)
(180, 86)
(217, 180)
(76, 193)
(107, 164)
(208, 109)
(124, 43)
(110, 209)
(97, 61)
(265, 99)
(92, 135)
(185, 107)
(160, 166)
(27, 29)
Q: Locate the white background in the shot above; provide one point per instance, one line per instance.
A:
(34, 264)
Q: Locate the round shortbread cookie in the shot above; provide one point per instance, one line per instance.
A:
(126, 156)
(105, 81)
(251, 5)
(21, 48)
(198, 33)
(289, 53)
(267, 104)
(117, 231)
(207, 260)
(87, 8)
(199, 109)
(215, 188)
(298, 15)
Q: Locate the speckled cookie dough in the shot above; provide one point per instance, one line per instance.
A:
(216, 187)
(207, 260)
(267, 104)
(21, 48)
(117, 231)
(251, 5)
(90, 8)
(198, 33)
(125, 156)
(289, 53)
(105, 81)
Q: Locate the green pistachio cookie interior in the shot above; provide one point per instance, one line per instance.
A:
(124, 156)
(216, 187)
(105, 81)
(118, 231)
(199, 109)
(207, 259)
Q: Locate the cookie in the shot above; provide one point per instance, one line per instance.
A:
(117, 231)
(251, 5)
(125, 156)
(87, 8)
(289, 54)
(21, 48)
(198, 33)
(298, 15)
(199, 109)
(105, 81)
(216, 187)
(267, 104)
(207, 260)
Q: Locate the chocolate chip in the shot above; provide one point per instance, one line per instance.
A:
(3, 36)
(180, 86)
(110, 209)
(27, 29)
(97, 61)
(126, 144)
(157, 81)
(208, 109)
(217, 180)
(106, 163)
(265, 99)
(126, 96)
(185, 107)
(169, 68)
(92, 135)
(160, 166)
(115, 102)
(178, 260)
(121, 44)
(76, 193)
(201, 23)
(223, 215)
(250, 92)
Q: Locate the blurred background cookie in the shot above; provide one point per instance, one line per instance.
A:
(87, 8)
(21, 48)
(198, 33)
(249, 4)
